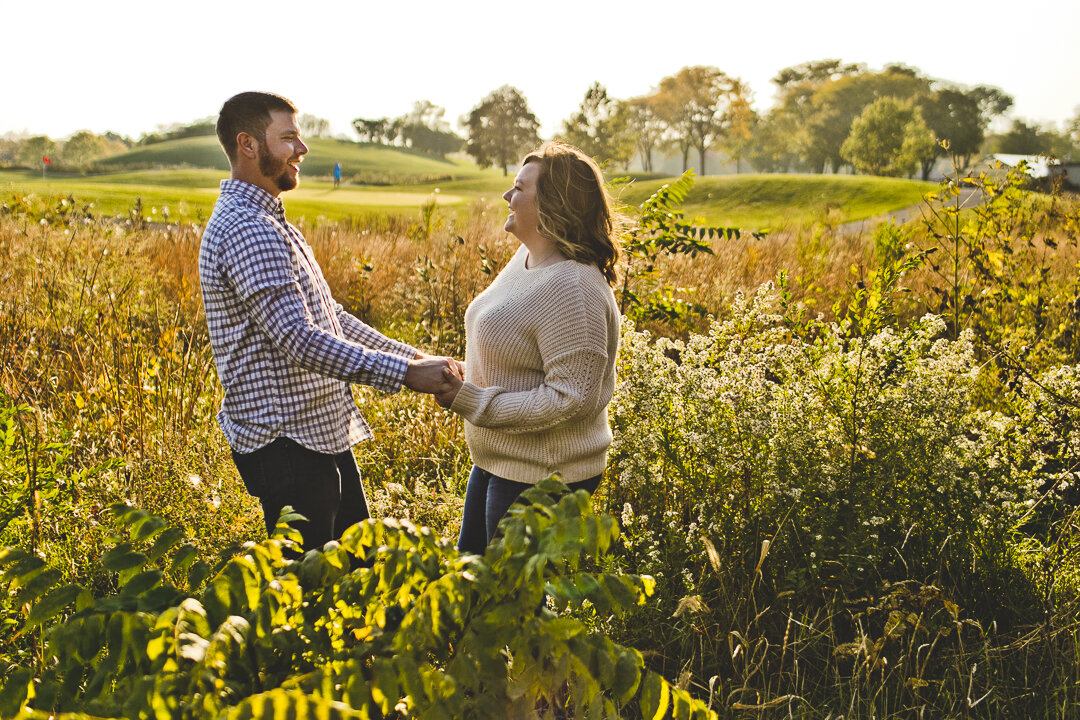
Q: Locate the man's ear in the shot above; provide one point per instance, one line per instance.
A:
(247, 145)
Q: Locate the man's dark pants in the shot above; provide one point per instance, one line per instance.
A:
(325, 489)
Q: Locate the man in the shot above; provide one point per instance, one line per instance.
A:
(285, 350)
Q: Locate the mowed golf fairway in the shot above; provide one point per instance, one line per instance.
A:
(189, 195)
(381, 180)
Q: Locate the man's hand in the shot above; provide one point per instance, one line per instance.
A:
(429, 373)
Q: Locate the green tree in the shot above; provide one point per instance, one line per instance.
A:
(888, 138)
(953, 116)
(1021, 139)
(501, 129)
(835, 105)
(424, 128)
(784, 142)
(646, 126)
(380, 131)
(313, 126)
(695, 103)
(9, 150)
(33, 149)
(992, 102)
(120, 142)
(430, 140)
(797, 79)
(961, 117)
(771, 147)
(1034, 139)
(428, 114)
(83, 147)
(370, 130)
(741, 120)
(602, 128)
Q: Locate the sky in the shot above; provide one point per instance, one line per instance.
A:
(134, 66)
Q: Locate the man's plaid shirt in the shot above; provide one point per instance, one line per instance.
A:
(285, 350)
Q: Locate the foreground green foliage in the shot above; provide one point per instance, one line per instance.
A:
(422, 632)
(824, 504)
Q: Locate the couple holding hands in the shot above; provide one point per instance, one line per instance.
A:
(540, 352)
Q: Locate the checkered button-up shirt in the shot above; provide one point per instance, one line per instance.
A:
(285, 350)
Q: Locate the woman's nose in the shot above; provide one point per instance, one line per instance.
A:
(506, 195)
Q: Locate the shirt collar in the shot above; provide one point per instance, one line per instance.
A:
(253, 194)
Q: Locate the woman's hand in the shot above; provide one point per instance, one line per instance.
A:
(455, 381)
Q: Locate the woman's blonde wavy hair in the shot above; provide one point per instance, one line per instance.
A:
(573, 207)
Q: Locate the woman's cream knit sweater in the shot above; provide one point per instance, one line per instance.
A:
(539, 372)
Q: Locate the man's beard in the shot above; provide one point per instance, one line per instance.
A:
(271, 167)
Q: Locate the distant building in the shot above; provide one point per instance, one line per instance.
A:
(1038, 166)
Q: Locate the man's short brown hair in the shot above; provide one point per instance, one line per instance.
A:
(248, 112)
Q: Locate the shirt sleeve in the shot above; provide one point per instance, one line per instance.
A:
(264, 273)
(360, 332)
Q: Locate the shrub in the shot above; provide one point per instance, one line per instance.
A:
(754, 469)
(867, 452)
(421, 632)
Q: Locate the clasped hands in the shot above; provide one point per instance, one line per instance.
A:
(436, 375)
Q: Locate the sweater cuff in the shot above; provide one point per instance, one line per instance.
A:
(467, 402)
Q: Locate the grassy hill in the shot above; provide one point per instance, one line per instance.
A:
(761, 202)
(360, 162)
(750, 202)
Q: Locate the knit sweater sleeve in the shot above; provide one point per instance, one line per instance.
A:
(571, 333)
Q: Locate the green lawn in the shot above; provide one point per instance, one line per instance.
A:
(188, 195)
(750, 202)
(758, 202)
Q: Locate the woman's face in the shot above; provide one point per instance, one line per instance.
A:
(523, 219)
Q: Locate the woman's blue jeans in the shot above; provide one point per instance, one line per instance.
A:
(487, 498)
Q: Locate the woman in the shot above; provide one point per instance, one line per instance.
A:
(541, 343)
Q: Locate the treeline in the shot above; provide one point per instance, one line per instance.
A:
(79, 151)
(424, 128)
(829, 116)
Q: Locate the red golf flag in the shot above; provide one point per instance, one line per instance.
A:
(46, 159)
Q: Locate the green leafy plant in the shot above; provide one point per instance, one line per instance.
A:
(998, 270)
(871, 306)
(421, 631)
(661, 230)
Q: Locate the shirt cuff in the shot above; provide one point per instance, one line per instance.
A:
(389, 376)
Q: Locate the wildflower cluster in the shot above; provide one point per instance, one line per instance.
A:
(858, 460)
